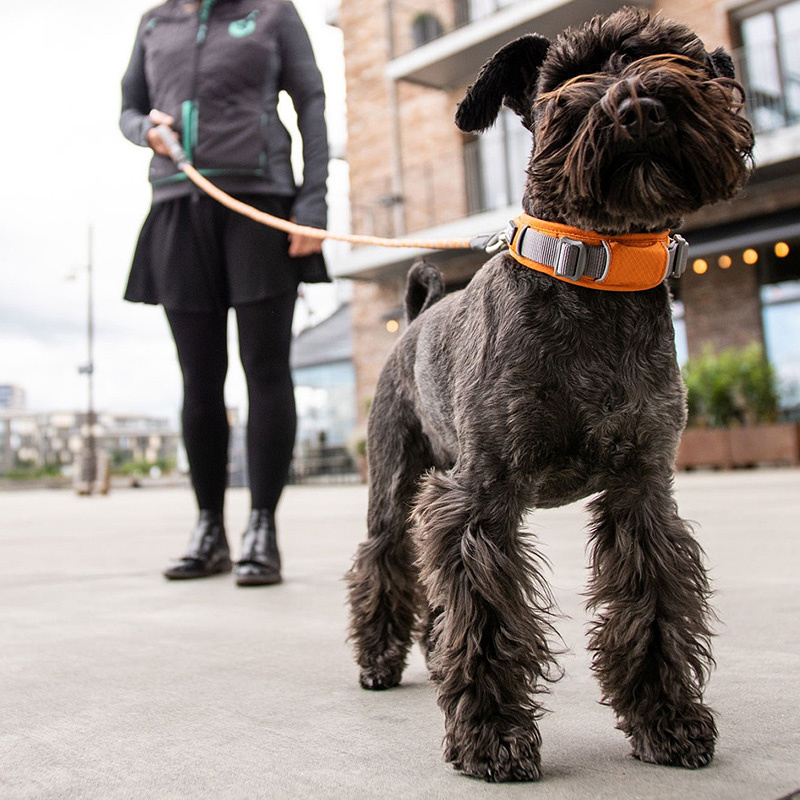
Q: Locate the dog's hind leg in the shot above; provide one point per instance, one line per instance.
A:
(491, 648)
(651, 640)
(384, 590)
(427, 636)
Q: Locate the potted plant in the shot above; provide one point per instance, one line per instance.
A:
(732, 400)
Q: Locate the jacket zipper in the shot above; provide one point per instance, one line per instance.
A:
(202, 29)
(190, 108)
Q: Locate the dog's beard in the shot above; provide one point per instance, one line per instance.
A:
(591, 171)
(607, 167)
(645, 181)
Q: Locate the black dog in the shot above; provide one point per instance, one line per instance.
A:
(553, 376)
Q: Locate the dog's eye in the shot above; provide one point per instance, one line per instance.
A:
(619, 61)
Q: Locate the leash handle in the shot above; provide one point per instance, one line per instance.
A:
(170, 140)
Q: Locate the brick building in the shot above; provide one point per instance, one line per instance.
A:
(412, 172)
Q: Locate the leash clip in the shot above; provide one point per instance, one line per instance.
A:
(490, 243)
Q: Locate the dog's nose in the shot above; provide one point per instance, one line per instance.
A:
(642, 115)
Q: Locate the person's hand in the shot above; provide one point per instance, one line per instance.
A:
(302, 245)
(153, 139)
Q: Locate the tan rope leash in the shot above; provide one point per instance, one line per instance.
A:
(315, 233)
(182, 163)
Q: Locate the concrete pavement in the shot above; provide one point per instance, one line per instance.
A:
(115, 683)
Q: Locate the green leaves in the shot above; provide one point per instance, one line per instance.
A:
(734, 386)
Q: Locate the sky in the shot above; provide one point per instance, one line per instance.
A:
(66, 167)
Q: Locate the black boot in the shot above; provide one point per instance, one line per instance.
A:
(208, 552)
(260, 563)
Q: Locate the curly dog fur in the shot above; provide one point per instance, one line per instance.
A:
(522, 391)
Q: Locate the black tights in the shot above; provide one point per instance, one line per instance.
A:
(265, 334)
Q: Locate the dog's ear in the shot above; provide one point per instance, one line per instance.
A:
(722, 63)
(508, 76)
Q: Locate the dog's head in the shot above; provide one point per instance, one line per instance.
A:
(634, 123)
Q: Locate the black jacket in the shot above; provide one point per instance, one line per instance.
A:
(217, 71)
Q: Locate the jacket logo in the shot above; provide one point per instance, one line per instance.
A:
(242, 27)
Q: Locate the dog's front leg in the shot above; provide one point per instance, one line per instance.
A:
(651, 639)
(491, 649)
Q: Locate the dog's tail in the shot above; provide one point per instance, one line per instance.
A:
(424, 286)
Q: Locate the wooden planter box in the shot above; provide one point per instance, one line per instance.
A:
(766, 444)
(747, 446)
(704, 447)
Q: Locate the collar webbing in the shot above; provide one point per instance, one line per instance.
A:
(629, 263)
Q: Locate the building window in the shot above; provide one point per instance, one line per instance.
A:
(781, 303)
(425, 28)
(326, 403)
(495, 164)
(769, 63)
(779, 274)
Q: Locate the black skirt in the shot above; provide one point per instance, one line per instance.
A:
(194, 254)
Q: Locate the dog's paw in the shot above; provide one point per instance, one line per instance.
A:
(685, 742)
(496, 758)
(377, 678)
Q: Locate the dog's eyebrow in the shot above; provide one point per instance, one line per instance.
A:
(657, 59)
(556, 93)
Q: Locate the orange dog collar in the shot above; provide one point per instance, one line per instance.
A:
(628, 263)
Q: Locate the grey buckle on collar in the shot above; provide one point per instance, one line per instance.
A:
(571, 258)
(678, 256)
(510, 231)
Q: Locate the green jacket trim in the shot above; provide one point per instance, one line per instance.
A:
(209, 173)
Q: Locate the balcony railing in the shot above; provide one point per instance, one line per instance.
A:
(484, 176)
(433, 194)
(770, 73)
(416, 22)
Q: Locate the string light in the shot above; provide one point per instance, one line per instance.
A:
(749, 256)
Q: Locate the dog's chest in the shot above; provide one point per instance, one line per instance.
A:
(567, 440)
(558, 386)
(588, 385)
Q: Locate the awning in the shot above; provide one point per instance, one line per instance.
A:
(741, 235)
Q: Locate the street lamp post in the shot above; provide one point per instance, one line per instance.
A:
(90, 462)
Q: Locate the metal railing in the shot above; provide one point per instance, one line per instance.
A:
(770, 74)
(444, 189)
(323, 465)
(433, 194)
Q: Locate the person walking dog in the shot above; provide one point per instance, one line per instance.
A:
(212, 72)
